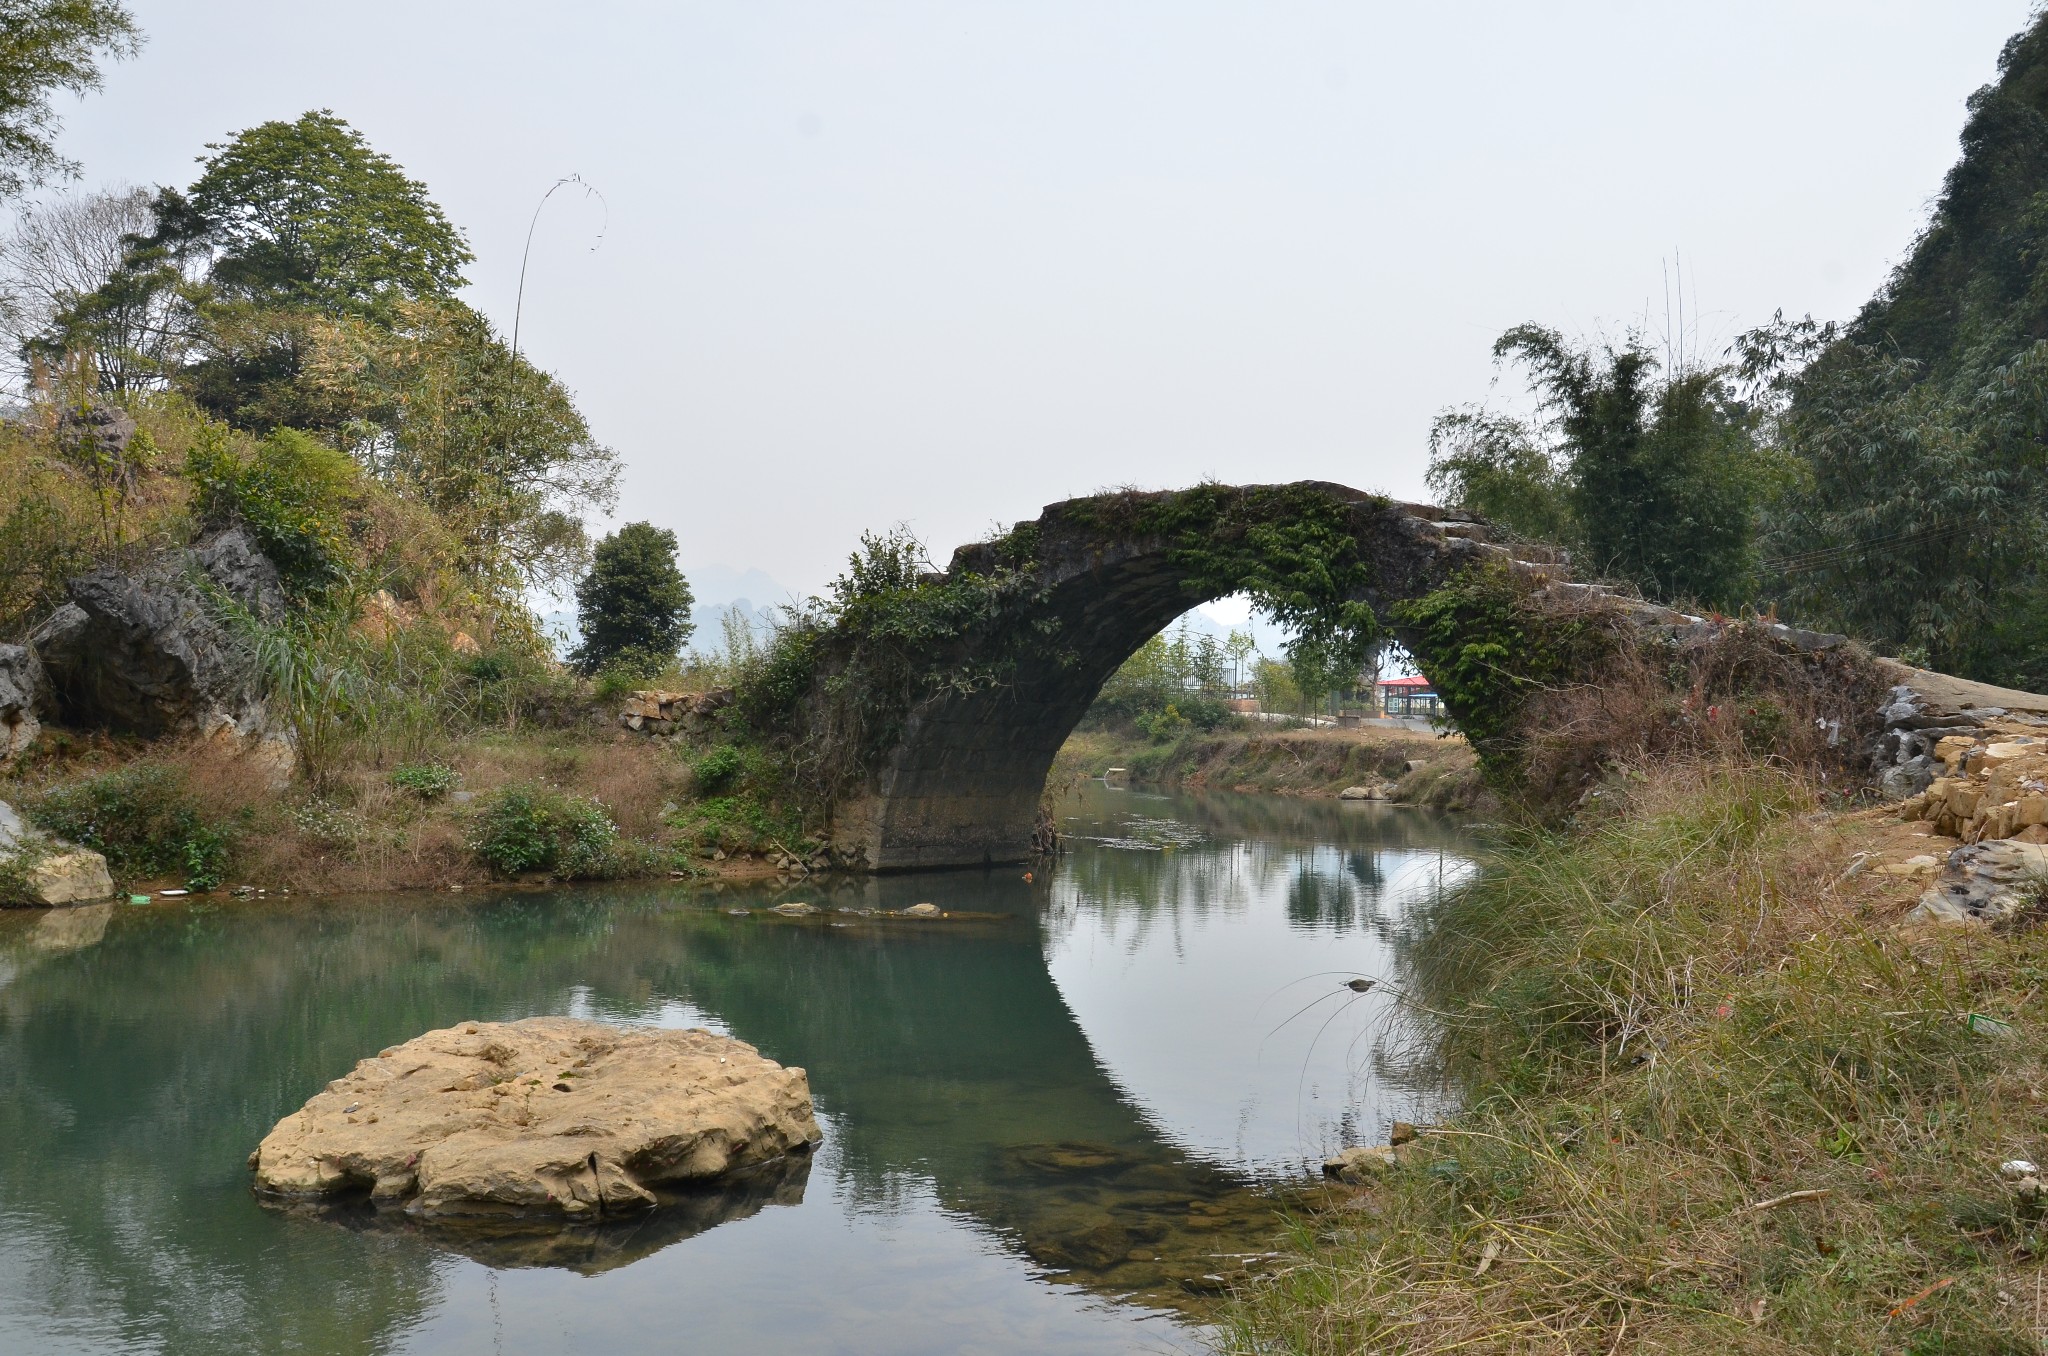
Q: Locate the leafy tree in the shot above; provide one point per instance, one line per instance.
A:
(289, 225)
(1496, 466)
(634, 605)
(45, 46)
(1649, 476)
(442, 411)
(70, 290)
(305, 215)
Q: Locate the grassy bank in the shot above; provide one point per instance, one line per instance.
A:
(1718, 1101)
(1409, 767)
(534, 804)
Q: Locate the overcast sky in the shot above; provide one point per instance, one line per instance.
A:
(945, 263)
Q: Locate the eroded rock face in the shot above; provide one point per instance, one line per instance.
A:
(549, 1116)
(21, 688)
(147, 652)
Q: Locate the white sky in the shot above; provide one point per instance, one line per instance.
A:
(945, 263)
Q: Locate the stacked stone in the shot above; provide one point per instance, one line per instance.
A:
(1984, 782)
(666, 714)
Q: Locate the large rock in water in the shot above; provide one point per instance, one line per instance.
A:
(147, 651)
(545, 1116)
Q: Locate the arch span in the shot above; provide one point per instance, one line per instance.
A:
(957, 779)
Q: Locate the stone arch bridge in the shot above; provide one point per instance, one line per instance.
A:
(960, 779)
(951, 770)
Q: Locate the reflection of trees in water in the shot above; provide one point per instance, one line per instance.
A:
(1341, 867)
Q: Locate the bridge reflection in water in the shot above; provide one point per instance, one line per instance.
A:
(1084, 1081)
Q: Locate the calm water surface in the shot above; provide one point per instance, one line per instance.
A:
(1054, 1128)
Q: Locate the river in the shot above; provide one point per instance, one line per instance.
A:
(1056, 1127)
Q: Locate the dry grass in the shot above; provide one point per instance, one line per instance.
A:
(362, 832)
(1661, 1022)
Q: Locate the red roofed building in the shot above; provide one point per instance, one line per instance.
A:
(1412, 696)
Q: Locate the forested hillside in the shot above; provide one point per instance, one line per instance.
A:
(1917, 431)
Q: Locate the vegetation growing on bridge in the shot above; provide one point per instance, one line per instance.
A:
(838, 685)
(1555, 692)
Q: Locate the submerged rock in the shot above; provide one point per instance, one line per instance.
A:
(549, 1116)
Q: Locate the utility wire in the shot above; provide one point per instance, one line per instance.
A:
(1824, 556)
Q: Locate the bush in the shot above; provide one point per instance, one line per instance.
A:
(294, 493)
(144, 820)
(1166, 724)
(428, 781)
(528, 828)
(735, 824)
(718, 769)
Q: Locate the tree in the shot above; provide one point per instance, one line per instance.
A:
(1919, 430)
(634, 605)
(289, 225)
(45, 46)
(1650, 476)
(441, 410)
(70, 288)
(1496, 467)
(305, 215)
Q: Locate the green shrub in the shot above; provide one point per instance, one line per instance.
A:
(734, 824)
(529, 828)
(294, 493)
(428, 781)
(718, 769)
(1166, 724)
(143, 820)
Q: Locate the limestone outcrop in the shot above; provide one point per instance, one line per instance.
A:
(547, 1117)
(38, 869)
(146, 651)
(21, 687)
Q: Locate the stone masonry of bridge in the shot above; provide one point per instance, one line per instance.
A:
(962, 787)
(963, 783)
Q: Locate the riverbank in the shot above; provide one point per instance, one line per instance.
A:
(1721, 1097)
(1406, 766)
(566, 801)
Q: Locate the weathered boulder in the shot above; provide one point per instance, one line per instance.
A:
(147, 651)
(99, 432)
(21, 688)
(46, 870)
(549, 1116)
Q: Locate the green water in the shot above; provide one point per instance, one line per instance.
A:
(1056, 1128)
